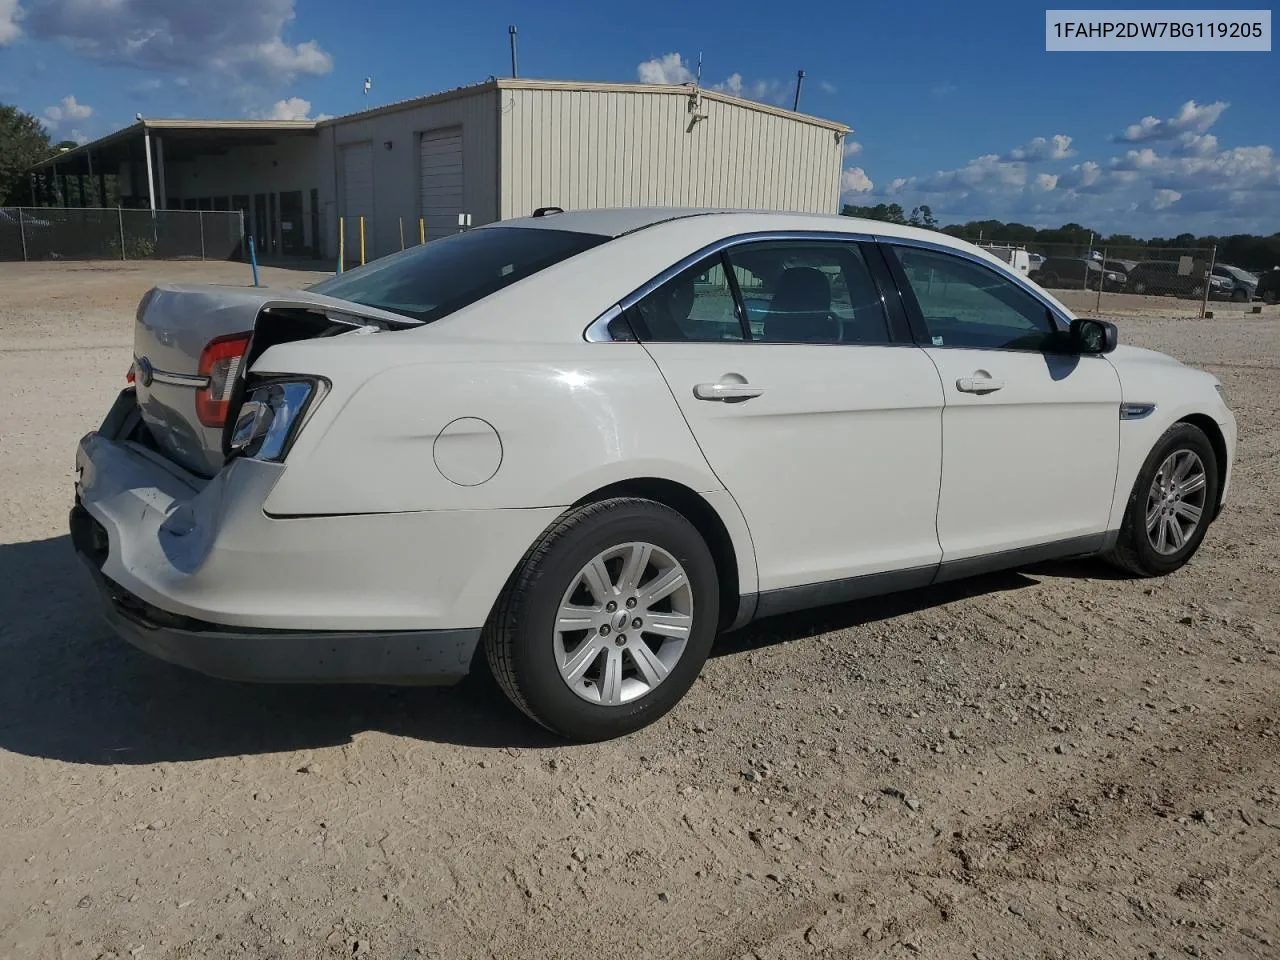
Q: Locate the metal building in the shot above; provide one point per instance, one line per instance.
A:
(493, 150)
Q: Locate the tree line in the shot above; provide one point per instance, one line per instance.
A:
(1247, 251)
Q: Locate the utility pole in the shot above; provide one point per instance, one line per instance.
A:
(511, 30)
(799, 83)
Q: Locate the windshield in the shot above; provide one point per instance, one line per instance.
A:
(1236, 273)
(435, 279)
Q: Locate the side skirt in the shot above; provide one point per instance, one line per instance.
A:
(771, 603)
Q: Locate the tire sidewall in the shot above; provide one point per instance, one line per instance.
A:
(1181, 436)
(544, 690)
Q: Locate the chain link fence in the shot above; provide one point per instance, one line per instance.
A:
(90, 233)
(1132, 279)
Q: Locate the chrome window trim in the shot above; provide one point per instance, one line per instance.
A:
(598, 332)
(595, 331)
(1062, 320)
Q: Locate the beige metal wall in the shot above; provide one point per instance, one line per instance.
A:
(579, 149)
(396, 177)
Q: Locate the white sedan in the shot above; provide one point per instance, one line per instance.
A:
(583, 444)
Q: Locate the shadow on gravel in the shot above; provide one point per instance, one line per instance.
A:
(72, 691)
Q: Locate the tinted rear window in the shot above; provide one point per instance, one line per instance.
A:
(433, 280)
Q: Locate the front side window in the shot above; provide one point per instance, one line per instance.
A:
(435, 279)
(965, 304)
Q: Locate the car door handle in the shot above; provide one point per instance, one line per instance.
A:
(727, 392)
(978, 384)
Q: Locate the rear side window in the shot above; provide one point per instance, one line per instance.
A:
(433, 280)
(808, 292)
(695, 305)
(788, 291)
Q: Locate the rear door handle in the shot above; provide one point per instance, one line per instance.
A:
(978, 384)
(726, 392)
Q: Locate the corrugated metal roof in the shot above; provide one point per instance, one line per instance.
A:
(585, 86)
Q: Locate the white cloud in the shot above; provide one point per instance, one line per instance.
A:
(826, 86)
(10, 14)
(669, 68)
(944, 89)
(855, 180)
(673, 68)
(68, 108)
(295, 108)
(852, 148)
(78, 136)
(1192, 116)
(1046, 181)
(897, 183)
(1058, 147)
(240, 40)
(1165, 198)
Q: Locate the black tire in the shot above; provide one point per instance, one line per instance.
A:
(1197, 291)
(518, 638)
(1240, 296)
(1271, 297)
(1133, 551)
(1140, 288)
(1048, 280)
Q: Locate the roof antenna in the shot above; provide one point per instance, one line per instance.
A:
(512, 31)
(799, 83)
(368, 85)
(697, 80)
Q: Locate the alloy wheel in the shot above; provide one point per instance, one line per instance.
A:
(623, 623)
(1176, 501)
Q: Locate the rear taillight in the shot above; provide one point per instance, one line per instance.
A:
(220, 362)
(128, 377)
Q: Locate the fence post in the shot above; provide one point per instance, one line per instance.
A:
(1213, 259)
(1102, 279)
(120, 214)
(22, 232)
(402, 233)
(422, 230)
(253, 261)
(201, 212)
(342, 242)
(242, 227)
(362, 240)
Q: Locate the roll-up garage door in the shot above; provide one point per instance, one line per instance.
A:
(441, 172)
(357, 197)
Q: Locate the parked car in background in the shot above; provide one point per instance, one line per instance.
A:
(1268, 289)
(1163, 278)
(564, 444)
(1244, 283)
(1077, 273)
(1035, 261)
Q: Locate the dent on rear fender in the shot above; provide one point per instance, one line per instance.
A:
(583, 417)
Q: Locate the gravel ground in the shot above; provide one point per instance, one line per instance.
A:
(1053, 762)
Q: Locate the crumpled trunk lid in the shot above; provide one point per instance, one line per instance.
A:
(174, 328)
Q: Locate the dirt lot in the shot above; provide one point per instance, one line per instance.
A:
(1054, 762)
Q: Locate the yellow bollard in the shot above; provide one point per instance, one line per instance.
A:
(402, 233)
(342, 243)
(362, 241)
(422, 229)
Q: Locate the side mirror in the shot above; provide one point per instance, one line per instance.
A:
(1094, 336)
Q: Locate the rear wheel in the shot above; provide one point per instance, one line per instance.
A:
(608, 620)
(1139, 287)
(1171, 504)
(1197, 291)
(1240, 296)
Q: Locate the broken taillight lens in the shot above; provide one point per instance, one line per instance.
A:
(220, 362)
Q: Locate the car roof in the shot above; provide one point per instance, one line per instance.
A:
(619, 221)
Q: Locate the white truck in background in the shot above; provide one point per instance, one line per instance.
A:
(1016, 257)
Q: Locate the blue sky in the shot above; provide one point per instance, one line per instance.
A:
(954, 105)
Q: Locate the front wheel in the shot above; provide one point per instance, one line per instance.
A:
(1171, 504)
(608, 620)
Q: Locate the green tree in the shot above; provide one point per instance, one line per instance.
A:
(23, 142)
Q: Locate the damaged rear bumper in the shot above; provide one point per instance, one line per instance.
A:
(195, 572)
(273, 656)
